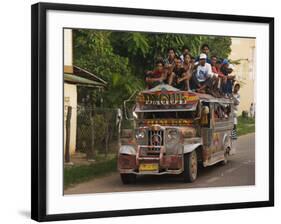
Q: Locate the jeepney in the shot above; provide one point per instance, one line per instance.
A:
(175, 131)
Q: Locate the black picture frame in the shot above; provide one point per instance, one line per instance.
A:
(39, 122)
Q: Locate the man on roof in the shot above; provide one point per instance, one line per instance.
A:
(203, 76)
(218, 75)
(157, 76)
(169, 64)
(228, 79)
(205, 49)
(180, 76)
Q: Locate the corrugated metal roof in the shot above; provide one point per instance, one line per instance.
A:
(74, 79)
(86, 74)
(210, 98)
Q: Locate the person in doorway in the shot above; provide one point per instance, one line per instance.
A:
(236, 102)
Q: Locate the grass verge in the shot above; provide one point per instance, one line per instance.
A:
(245, 125)
(81, 173)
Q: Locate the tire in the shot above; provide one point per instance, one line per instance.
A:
(224, 162)
(128, 178)
(190, 167)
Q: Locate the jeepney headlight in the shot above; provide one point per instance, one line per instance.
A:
(172, 135)
(172, 139)
(140, 134)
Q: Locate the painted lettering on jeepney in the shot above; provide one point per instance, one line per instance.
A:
(163, 99)
(166, 122)
(167, 99)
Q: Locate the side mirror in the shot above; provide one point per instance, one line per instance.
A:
(128, 110)
(129, 105)
(205, 110)
(204, 115)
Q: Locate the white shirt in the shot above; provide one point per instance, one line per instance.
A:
(236, 100)
(204, 72)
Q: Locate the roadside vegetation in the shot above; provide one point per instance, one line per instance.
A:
(245, 125)
(84, 172)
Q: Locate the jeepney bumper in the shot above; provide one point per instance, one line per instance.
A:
(150, 160)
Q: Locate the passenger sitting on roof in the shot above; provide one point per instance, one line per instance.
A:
(185, 50)
(156, 77)
(218, 76)
(188, 67)
(227, 84)
(205, 49)
(180, 76)
(169, 63)
(170, 60)
(203, 76)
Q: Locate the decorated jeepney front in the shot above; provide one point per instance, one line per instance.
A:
(164, 119)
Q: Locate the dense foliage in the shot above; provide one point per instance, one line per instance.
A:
(121, 58)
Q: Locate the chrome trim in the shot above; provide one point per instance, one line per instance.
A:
(151, 172)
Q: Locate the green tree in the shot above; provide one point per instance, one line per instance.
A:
(142, 49)
(94, 52)
(220, 46)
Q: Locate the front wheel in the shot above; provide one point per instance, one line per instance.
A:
(225, 160)
(190, 167)
(128, 178)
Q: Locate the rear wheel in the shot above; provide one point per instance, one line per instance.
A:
(128, 178)
(190, 167)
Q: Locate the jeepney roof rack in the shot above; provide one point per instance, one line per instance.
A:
(202, 96)
(209, 98)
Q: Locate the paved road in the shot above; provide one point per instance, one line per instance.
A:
(240, 170)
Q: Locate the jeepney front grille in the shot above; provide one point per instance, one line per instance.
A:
(156, 138)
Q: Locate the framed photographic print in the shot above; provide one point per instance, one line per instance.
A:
(139, 111)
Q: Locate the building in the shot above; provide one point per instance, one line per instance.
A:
(243, 52)
(74, 77)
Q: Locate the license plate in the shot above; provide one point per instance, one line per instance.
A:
(148, 167)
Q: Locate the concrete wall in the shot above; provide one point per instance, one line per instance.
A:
(70, 91)
(68, 47)
(70, 99)
(244, 49)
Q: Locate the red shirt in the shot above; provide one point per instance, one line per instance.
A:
(217, 71)
(155, 74)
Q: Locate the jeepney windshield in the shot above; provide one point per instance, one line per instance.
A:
(167, 115)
